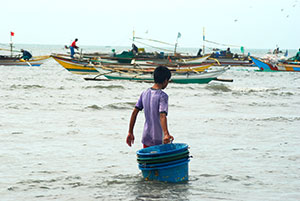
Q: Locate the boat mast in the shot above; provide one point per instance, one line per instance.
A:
(133, 35)
(178, 36)
(203, 40)
(11, 44)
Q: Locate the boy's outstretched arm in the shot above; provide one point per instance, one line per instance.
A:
(164, 125)
(130, 136)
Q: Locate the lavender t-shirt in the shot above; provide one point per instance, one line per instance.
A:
(154, 102)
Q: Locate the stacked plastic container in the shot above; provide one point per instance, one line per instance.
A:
(166, 162)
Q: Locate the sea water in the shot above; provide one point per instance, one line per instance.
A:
(63, 138)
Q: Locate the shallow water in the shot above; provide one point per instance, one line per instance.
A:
(63, 138)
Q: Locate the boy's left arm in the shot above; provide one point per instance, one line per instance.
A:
(164, 125)
(130, 136)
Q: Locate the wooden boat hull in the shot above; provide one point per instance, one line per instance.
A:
(85, 67)
(190, 62)
(75, 67)
(229, 62)
(129, 72)
(151, 68)
(183, 78)
(265, 66)
(36, 61)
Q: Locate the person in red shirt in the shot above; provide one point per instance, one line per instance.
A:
(73, 47)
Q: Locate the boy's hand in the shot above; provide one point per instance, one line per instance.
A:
(168, 138)
(130, 139)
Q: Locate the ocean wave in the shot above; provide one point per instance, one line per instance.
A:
(17, 133)
(49, 183)
(105, 87)
(94, 107)
(120, 106)
(228, 178)
(259, 91)
(19, 86)
(17, 106)
(48, 172)
(218, 87)
(280, 119)
(282, 94)
(208, 175)
(267, 104)
(184, 87)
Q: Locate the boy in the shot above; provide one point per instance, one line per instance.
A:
(155, 104)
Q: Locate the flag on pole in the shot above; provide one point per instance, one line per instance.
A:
(179, 35)
(12, 33)
(242, 49)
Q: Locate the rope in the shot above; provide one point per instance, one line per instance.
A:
(222, 44)
(153, 40)
(159, 48)
(154, 47)
(9, 50)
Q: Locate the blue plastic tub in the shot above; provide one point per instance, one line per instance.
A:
(144, 165)
(164, 158)
(163, 149)
(171, 173)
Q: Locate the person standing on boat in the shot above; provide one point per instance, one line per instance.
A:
(297, 57)
(134, 49)
(26, 55)
(154, 101)
(199, 53)
(73, 47)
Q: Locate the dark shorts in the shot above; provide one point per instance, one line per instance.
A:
(26, 57)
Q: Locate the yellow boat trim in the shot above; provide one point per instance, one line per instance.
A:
(77, 68)
(198, 69)
(36, 58)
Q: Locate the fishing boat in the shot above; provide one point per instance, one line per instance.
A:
(198, 74)
(231, 62)
(85, 66)
(17, 61)
(177, 77)
(278, 66)
(182, 62)
(75, 66)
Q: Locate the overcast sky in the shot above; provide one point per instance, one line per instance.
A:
(248, 23)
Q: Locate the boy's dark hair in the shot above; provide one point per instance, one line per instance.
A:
(161, 74)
